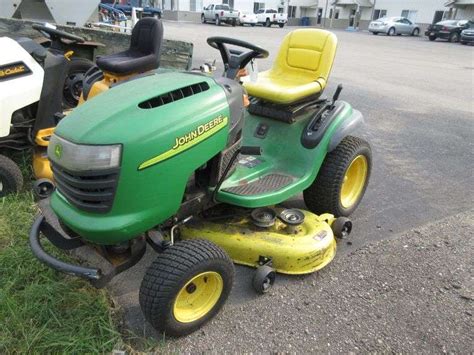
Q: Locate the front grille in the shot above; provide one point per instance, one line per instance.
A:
(91, 191)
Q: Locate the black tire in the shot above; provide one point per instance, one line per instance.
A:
(11, 178)
(252, 24)
(263, 279)
(454, 37)
(391, 31)
(281, 25)
(234, 23)
(218, 21)
(43, 188)
(341, 227)
(324, 194)
(268, 23)
(416, 32)
(171, 273)
(375, 33)
(72, 89)
(463, 42)
(203, 19)
(431, 38)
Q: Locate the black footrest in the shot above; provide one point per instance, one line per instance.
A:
(267, 183)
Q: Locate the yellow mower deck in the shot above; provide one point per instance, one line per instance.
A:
(302, 249)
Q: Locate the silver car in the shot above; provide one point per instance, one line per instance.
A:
(394, 26)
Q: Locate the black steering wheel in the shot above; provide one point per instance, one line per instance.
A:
(54, 34)
(234, 60)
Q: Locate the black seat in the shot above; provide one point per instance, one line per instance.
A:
(143, 54)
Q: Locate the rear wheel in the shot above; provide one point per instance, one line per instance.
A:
(253, 25)
(391, 31)
(268, 23)
(415, 32)
(203, 19)
(234, 23)
(186, 286)
(281, 25)
(342, 179)
(463, 42)
(11, 178)
(375, 33)
(431, 38)
(218, 21)
(73, 84)
(454, 37)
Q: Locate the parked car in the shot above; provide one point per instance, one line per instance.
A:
(467, 35)
(448, 29)
(127, 8)
(394, 26)
(246, 18)
(220, 13)
(268, 17)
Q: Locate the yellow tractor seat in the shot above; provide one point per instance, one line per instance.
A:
(300, 70)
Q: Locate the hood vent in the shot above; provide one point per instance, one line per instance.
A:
(174, 95)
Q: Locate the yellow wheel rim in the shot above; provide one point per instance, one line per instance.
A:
(198, 297)
(354, 181)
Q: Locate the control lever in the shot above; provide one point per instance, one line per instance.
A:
(336, 95)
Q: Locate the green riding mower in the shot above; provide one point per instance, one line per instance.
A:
(193, 167)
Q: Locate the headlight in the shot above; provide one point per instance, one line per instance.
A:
(80, 157)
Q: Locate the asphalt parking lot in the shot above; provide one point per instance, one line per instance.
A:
(417, 100)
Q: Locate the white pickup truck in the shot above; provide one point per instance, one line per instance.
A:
(268, 17)
(220, 13)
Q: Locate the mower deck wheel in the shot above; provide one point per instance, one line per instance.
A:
(11, 178)
(263, 279)
(342, 179)
(341, 227)
(186, 286)
(43, 188)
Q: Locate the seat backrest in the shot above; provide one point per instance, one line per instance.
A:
(307, 52)
(147, 36)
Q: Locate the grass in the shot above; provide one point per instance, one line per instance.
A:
(42, 310)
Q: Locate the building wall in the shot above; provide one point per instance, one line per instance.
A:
(465, 13)
(421, 11)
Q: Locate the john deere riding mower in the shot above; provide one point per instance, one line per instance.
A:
(36, 84)
(186, 164)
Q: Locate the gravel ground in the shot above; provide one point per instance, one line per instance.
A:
(413, 292)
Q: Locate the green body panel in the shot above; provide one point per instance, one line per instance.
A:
(153, 174)
(282, 152)
(144, 198)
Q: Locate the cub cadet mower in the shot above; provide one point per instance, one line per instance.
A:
(176, 161)
(32, 105)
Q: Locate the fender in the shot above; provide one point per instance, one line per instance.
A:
(346, 128)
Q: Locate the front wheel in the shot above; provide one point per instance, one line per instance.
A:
(11, 178)
(234, 23)
(186, 286)
(268, 23)
(375, 33)
(454, 37)
(218, 21)
(432, 38)
(281, 25)
(415, 32)
(203, 19)
(253, 25)
(391, 31)
(342, 179)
